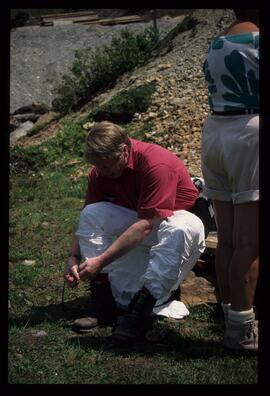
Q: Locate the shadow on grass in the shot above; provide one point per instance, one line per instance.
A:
(52, 313)
(174, 346)
(74, 309)
(173, 343)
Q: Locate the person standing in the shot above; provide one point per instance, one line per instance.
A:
(230, 168)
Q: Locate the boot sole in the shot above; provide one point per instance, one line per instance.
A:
(237, 347)
(77, 330)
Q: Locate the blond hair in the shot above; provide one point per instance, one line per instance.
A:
(105, 140)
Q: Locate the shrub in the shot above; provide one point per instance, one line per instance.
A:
(98, 69)
(25, 160)
(20, 19)
(122, 107)
(67, 144)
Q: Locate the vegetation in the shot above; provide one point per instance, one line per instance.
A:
(48, 183)
(99, 68)
(122, 107)
(31, 16)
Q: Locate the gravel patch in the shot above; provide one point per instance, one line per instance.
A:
(39, 56)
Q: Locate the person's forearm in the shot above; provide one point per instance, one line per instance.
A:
(75, 247)
(134, 235)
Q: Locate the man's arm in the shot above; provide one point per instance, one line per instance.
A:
(134, 235)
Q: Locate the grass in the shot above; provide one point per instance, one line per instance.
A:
(189, 352)
(48, 183)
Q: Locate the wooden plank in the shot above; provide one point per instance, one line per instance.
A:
(85, 19)
(79, 18)
(72, 20)
(60, 22)
(67, 14)
(129, 18)
(211, 241)
(67, 21)
(119, 20)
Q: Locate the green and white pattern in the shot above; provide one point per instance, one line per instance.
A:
(232, 72)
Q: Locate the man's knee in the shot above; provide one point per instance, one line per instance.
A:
(182, 233)
(92, 214)
(93, 208)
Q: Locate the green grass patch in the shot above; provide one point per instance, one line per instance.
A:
(122, 107)
(189, 352)
(48, 183)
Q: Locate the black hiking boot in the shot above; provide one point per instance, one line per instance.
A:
(137, 320)
(101, 310)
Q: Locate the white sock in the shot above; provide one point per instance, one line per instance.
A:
(240, 316)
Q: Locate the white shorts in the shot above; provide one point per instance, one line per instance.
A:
(230, 158)
(159, 263)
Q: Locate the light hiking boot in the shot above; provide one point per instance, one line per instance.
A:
(241, 336)
(137, 320)
(101, 310)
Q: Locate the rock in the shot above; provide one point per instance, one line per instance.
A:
(178, 101)
(45, 224)
(21, 131)
(164, 66)
(35, 107)
(88, 125)
(198, 289)
(46, 118)
(13, 123)
(152, 114)
(26, 117)
(38, 333)
(29, 262)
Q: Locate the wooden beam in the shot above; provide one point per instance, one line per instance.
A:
(211, 241)
(67, 14)
(119, 20)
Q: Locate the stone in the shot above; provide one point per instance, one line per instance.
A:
(21, 131)
(38, 333)
(46, 118)
(29, 262)
(88, 125)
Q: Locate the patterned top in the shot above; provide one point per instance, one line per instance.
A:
(231, 70)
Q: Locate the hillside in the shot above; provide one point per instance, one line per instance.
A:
(47, 186)
(179, 105)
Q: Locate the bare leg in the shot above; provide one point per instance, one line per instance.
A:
(244, 264)
(224, 214)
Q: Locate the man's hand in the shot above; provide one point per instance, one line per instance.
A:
(90, 268)
(71, 271)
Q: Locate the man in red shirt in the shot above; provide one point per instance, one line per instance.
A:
(136, 234)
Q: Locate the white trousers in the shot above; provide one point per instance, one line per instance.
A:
(160, 263)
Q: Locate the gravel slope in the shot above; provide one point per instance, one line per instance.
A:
(179, 105)
(40, 55)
